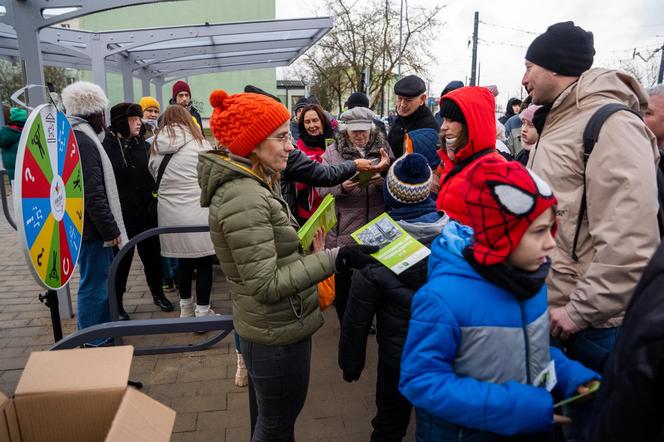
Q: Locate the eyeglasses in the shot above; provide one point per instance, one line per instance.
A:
(285, 138)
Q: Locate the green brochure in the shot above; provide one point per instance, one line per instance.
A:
(325, 216)
(363, 178)
(399, 251)
(594, 386)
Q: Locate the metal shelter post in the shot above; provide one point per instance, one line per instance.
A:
(127, 80)
(97, 59)
(145, 85)
(159, 86)
(27, 33)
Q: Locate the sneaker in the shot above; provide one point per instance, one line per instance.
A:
(168, 285)
(163, 303)
(186, 309)
(202, 312)
(241, 376)
(205, 312)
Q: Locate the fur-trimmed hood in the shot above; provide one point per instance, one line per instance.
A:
(84, 98)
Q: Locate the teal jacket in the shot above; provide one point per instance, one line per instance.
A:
(9, 137)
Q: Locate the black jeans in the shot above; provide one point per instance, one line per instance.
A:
(342, 282)
(591, 347)
(203, 267)
(149, 251)
(393, 410)
(279, 375)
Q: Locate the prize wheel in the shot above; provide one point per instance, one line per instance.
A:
(49, 196)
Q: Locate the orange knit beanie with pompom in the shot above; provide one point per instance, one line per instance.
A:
(241, 121)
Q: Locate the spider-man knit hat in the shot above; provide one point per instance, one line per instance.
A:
(503, 199)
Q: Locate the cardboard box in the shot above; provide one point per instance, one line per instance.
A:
(82, 395)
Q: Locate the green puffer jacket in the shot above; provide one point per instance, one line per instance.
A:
(275, 300)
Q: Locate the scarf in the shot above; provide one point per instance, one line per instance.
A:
(413, 211)
(523, 285)
(109, 177)
(316, 141)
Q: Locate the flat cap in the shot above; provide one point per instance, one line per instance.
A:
(410, 86)
(358, 118)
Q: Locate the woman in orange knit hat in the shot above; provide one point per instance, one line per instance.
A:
(273, 284)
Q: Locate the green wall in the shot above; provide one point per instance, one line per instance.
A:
(188, 12)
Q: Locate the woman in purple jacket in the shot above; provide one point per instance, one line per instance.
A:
(356, 205)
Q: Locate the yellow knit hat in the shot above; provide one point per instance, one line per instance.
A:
(147, 102)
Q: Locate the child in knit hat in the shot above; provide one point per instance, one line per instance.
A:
(377, 291)
(477, 363)
(529, 135)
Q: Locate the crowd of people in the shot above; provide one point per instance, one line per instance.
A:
(543, 227)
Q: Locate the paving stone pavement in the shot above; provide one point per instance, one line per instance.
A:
(197, 385)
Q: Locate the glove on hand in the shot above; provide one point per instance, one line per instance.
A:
(354, 257)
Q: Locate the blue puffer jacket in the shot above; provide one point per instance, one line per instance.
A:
(473, 349)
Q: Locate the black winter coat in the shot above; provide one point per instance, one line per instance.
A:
(134, 180)
(419, 119)
(98, 223)
(630, 403)
(303, 169)
(377, 290)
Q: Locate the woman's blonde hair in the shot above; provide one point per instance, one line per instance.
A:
(268, 175)
(178, 115)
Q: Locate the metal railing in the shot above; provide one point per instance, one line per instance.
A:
(5, 202)
(223, 324)
(116, 330)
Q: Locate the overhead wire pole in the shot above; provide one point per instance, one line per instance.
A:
(400, 41)
(660, 75)
(473, 68)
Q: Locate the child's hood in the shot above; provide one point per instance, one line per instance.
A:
(447, 251)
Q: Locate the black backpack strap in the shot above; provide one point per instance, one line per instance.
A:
(590, 137)
(660, 197)
(160, 173)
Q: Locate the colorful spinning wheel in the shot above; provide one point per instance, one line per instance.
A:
(49, 196)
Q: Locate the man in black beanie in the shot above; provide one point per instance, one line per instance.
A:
(600, 255)
(129, 154)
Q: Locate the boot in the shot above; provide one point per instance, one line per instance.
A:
(122, 314)
(186, 308)
(241, 376)
(162, 302)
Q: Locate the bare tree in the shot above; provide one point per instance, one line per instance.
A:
(12, 79)
(643, 65)
(366, 36)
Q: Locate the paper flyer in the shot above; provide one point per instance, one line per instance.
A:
(325, 216)
(399, 251)
(362, 178)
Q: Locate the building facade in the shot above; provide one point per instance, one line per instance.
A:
(181, 13)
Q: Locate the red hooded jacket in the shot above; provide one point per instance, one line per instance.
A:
(478, 107)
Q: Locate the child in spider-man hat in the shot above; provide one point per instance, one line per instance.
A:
(477, 364)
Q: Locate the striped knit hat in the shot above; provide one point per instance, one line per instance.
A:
(408, 181)
(241, 121)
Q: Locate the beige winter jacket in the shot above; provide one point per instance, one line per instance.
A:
(619, 233)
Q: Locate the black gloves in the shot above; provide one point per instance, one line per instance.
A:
(350, 377)
(354, 257)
